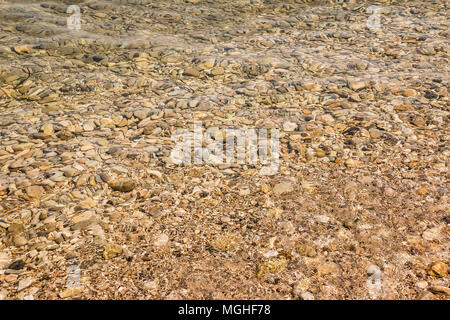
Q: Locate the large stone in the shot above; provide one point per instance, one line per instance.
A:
(438, 269)
(83, 220)
(122, 185)
(5, 260)
(112, 251)
(283, 187)
(161, 240)
(357, 85)
(35, 192)
(192, 72)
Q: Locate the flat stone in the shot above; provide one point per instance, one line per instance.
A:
(438, 269)
(192, 72)
(357, 85)
(161, 240)
(5, 260)
(112, 251)
(25, 283)
(122, 185)
(47, 129)
(440, 290)
(35, 192)
(409, 93)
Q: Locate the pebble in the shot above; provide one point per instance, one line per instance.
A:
(409, 93)
(112, 251)
(161, 240)
(122, 185)
(69, 293)
(357, 85)
(5, 260)
(440, 290)
(438, 269)
(373, 269)
(83, 220)
(25, 283)
(19, 240)
(35, 192)
(289, 126)
(283, 187)
(422, 284)
(307, 296)
(375, 133)
(192, 72)
(17, 265)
